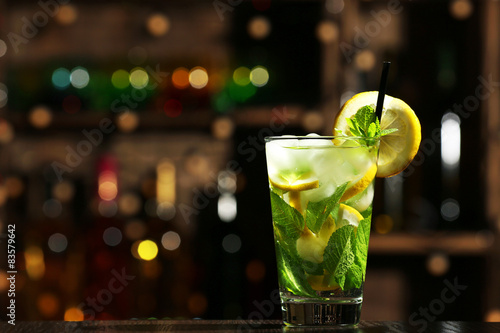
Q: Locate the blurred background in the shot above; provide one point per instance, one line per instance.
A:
(132, 160)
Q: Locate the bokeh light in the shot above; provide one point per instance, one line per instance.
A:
(165, 210)
(120, 79)
(198, 77)
(241, 76)
(139, 78)
(79, 77)
(222, 128)
(241, 93)
(135, 229)
(438, 264)
(158, 24)
(108, 188)
(73, 314)
(259, 76)
(227, 207)
(171, 240)
(127, 121)
(58, 242)
(63, 191)
(71, 104)
(3, 48)
(231, 243)
(61, 78)
(334, 6)
(461, 9)
(327, 32)
(48, 304)
(450, 209)
(52, 208)
(180, 78)
(6, 131)
(259, 27)
(4, 97)
(365, 60)
(40, 117)
(112, 236)
(14, 186)
(129, 204)
(35, 264)
(107, 208)
(147, 250)
(197, 304)
(383, 224)
(255, 270)
(66, 15)
(172, 108)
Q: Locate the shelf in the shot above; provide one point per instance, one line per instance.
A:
(460, 243)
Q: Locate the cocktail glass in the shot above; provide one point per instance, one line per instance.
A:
(321, 192)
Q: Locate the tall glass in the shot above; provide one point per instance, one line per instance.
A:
(321, 192)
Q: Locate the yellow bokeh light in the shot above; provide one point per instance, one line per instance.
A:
(383, 224)
(180, 78)
(35, 264)
(40, 117)
(259, 76)
(198, 77)
(73, 314)
(259, 27)
(139, 78)
(241, 76)
(147, 250)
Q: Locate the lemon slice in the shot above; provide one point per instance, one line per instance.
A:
(303, 183)
(361, 184)
(397, 149)
(348, 215)
(322, 283)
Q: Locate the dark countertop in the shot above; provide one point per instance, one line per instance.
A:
(237, 326)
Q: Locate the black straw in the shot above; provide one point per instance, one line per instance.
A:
(382, 88)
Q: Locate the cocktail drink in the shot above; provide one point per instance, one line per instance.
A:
(321, 198)
(321, 191)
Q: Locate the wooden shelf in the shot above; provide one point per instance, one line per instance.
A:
(460, 243)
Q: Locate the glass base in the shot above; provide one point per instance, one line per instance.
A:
(322, 313)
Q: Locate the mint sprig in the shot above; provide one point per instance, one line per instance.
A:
(365, 124)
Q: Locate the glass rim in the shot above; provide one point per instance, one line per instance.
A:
(321, 137)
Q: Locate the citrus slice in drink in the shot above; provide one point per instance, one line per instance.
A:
(293, 185)
(360, 185)
(397, 149)
(348, 216)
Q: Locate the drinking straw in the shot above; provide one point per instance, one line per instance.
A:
(381, 90)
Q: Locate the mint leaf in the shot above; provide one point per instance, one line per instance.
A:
(360, 246)
(317, 212)
(291, 273)
(354, 278)
(366, 124)
(367, 213)
(286, 218)
(313, 268)
(339, 257)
